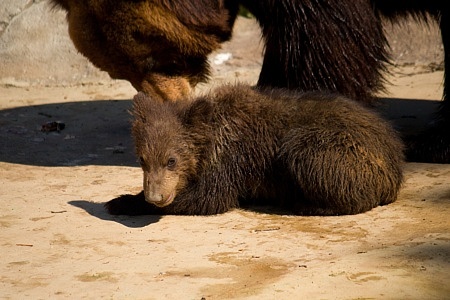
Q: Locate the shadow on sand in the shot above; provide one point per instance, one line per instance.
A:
(98, 132)
(97, 210)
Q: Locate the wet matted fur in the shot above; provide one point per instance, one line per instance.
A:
(306, 153)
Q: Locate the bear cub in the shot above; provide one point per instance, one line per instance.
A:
(305, 153)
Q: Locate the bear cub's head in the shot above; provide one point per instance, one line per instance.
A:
(169, 139)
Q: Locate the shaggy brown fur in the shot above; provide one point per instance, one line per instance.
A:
(312, 154)
(161, 46)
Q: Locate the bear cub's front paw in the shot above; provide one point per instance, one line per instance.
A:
(132, 205)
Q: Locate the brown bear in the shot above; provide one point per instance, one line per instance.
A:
(161, 46)
(307, 153)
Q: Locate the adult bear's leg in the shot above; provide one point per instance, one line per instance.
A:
(433, 145)
(322, 45)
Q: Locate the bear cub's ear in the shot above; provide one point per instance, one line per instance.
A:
(143, 106)
(140, 97)
(139, 110)
(199, 112)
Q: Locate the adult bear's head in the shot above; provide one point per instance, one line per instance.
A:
(160, 46)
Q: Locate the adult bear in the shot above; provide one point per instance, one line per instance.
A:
(307, 153)
(161, 46)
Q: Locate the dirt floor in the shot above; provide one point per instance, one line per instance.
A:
(57, 241)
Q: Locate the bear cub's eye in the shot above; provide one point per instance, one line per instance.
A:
(171, 163)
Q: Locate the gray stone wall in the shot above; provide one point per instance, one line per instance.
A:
(35, 48)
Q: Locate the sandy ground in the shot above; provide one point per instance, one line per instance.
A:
(57, 241)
